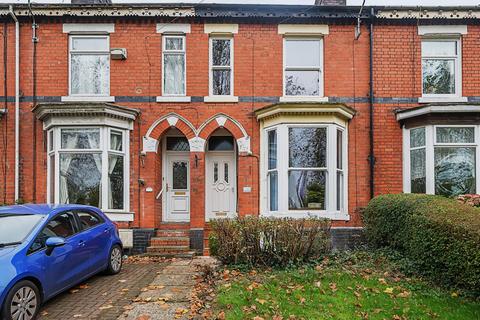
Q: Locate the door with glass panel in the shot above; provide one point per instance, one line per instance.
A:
(221, 182)
(178, 188)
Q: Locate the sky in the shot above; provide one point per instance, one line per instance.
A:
(298, 2)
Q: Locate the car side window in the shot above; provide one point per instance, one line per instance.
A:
(62, 225)
(88, 219)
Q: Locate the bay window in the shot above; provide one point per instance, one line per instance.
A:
(88, 165)
(442, 159)
(305, 170)
(89, 65)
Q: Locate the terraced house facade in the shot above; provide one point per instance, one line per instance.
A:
(168, 116)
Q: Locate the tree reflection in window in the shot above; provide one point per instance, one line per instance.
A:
(307, 149)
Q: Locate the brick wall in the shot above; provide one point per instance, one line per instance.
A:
(258, 74)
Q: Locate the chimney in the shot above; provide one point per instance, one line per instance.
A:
(330, 2)
(91, 1)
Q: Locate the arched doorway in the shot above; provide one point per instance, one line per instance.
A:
(221, 175)
(176, 176)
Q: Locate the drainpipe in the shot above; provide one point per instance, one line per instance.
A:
(371, 156)
(17, 103)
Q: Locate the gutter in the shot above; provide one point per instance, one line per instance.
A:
(17, 103)
(371, 156)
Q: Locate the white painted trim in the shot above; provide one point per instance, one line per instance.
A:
(303, 29)
(88, 99)
(120, 217)
(320, 68)
(183, 53)
(303, 99)
(437, 109)
(231, 67)
(218, 99)
(173, 99)
(220, 28)
(442, 30)
(330, 210)
(406, 160)
(442, 99)
(457, 58)
(174, 28)
(88, 28)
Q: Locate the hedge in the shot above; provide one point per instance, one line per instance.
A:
(257, 241)
(440, 236)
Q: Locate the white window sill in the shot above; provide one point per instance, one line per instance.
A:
(120, 216)
(217, 99)
(88, 99)
(304, 214)
(442, 99)
(174, 99)
(303, 99)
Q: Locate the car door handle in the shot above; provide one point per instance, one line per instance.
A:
(106, 230)
(81, 243)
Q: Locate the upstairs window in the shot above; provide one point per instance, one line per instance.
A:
(89, 65)
(441, 65)
(174, 67)
(221, 66)
(303, 67)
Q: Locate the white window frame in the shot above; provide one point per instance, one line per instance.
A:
(212, 67)
(430, 144)
(283, 168)
(104, 150)
(457, 69)
(174, 52)
(320, 68)
(72, 52)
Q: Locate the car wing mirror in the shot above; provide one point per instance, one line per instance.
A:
(54, 242)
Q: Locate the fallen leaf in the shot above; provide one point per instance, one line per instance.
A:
(388, 290)
(74, 291)
(77, 316)
(261, 301)
(105, 307)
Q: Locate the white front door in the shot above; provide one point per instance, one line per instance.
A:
(178, 188)
(221, 195)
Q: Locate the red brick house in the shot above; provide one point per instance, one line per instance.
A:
(168, 116)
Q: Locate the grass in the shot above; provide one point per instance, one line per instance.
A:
(361, 286)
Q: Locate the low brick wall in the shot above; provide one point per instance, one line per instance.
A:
(141, 240)
(347, 238)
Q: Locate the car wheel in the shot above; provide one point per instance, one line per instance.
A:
(22, 302)
(115, 260)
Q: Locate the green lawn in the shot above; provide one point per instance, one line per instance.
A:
(362, 287)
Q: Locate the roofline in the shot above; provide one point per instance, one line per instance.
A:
(246, 11)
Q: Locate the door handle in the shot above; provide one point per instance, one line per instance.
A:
(81, 243)
(106, 230)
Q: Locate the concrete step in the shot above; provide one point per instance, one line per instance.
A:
(173, 233)
(183, 255)
(168, 249)
(170, 241)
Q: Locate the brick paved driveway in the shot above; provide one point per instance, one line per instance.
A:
(102, 297)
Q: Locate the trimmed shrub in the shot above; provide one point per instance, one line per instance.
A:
(440, 236)
(257, 241)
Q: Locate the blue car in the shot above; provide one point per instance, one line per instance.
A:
(45, 250)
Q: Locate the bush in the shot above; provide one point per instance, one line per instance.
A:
(256, 241)
(440, 236)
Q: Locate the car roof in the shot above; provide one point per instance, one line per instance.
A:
(40, 209)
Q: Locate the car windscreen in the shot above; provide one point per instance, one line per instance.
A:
(15, 228)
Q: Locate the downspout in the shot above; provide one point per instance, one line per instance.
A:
(371, 156)
(17, 103)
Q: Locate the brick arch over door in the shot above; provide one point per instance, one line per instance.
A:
(222, 121)
(171, 120)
